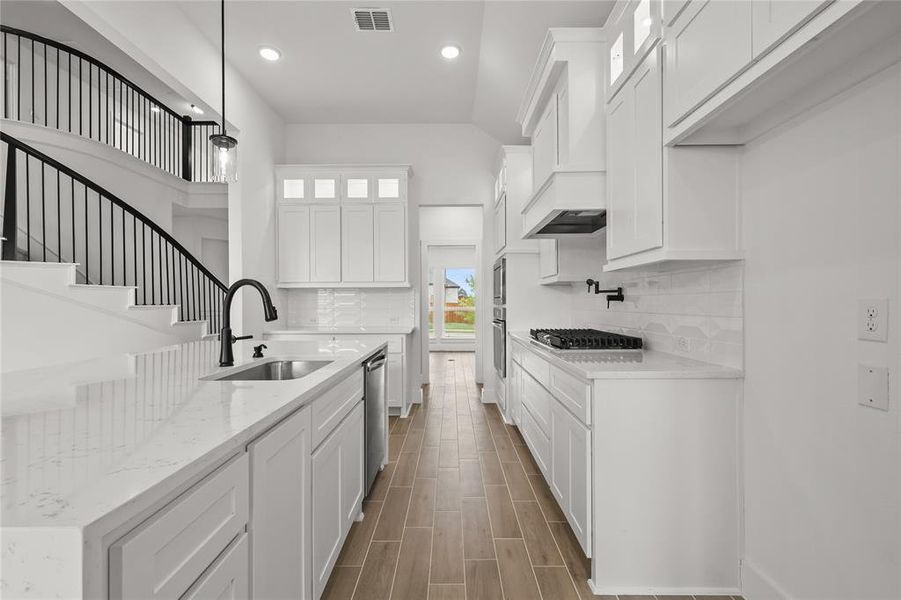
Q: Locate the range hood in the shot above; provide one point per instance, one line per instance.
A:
(568, 204)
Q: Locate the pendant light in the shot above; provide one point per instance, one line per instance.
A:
(224, 157)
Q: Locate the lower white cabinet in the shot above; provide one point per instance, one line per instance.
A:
(337, 470)
(571, 471)
(281, 512)
(395, 393)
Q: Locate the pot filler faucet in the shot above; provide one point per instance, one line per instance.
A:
(226, 339)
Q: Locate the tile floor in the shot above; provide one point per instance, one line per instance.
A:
(461, 512)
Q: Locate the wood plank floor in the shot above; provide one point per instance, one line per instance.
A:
(461, 512)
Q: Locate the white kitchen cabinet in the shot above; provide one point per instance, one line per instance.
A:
(281, 517)
(706, 46)
(163, 557)
(325, 243)
(357, 243)
(293, 243)
(336, 488)
(571, 471)
(395, 383)
(342, 226)
(671, 9)
(500, 226)
(635, 162)
(547, 259)
(772, 20)
(633, 28)
(569, 259)
(390, 239)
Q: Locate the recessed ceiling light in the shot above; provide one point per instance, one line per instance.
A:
(270, 54)
(197, 110)
(450, 52)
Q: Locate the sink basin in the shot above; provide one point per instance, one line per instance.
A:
(276, 370)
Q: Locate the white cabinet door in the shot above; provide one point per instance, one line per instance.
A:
(352, 465)
(500, 225)
(547, 258)
(281, 514)
(571, 471)
(325, 244)
(395, 382)
(544, 145)
(708, 45)
(774, 19)
(356, 243)
(337, 468)
(390, 243)
(293, 244)
(635, 163)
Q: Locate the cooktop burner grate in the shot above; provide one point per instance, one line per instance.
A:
(585, 339)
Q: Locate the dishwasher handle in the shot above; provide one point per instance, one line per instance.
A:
(376, 362)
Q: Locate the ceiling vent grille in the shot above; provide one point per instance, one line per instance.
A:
(373, 19)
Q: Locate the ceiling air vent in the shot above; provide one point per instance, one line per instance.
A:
(372, 19)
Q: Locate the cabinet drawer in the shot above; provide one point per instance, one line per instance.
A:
(331, 407)
(538, 400)
(536, 366)
(539, 444)
(572, 392)
(227, 578)
(163, 557)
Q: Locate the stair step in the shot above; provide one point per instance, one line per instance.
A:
(118, 297)
(45, 275)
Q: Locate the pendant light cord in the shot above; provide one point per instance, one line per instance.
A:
(223, 66)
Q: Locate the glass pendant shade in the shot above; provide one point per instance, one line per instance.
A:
(224, 158)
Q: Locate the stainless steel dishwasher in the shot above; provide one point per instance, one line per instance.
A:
(376, 416)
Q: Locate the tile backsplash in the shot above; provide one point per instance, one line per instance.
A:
(692, 311)
(331, 307)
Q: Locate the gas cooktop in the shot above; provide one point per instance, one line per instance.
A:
(585, 339)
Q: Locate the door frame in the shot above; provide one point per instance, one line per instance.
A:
(475, 243)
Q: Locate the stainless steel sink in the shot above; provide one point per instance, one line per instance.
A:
(276, 370)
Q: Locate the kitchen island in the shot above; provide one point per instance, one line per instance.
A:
(641, 451)
(111, 467)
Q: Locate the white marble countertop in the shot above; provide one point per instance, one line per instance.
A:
(83, 441)
(633, 364)
(346, 329)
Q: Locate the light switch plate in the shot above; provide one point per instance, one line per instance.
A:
(872, 386)
(872, 320)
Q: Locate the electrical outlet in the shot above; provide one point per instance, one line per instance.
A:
(872, 386)
(683, 344)
(872, 320)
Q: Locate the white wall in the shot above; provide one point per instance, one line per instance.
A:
(821, 230)
(452, 165)
(163, 40)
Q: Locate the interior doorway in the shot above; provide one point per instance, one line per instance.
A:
(451, 296)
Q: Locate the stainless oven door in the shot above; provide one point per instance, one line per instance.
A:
(500, 348)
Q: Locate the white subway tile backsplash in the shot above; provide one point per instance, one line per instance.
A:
(693, 311)
(327, 307)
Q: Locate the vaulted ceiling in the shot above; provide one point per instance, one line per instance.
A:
(331, 73)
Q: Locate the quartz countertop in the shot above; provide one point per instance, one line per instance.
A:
(346, 329)
(84, 440)
(629, 364)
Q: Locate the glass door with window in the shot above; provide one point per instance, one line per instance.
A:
(452, 304)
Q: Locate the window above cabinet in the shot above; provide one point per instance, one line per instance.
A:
(338, 183)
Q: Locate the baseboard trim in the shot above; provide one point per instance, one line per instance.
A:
(757, 585)
(604, 590)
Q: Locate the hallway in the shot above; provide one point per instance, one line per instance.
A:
(461, 511)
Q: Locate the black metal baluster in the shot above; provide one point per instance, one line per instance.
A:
(19, 79)
(124, 255)
(32, 81)
(28, 206)
(100, 236)
(90, 100)
(57, 88)
(10, 205)
(143, 264)
(134, 249)
(5, 72)
(87, 262)
(72, 197)
(59, 220)
(152, 272)
(112, 244)
(69, 89)
(46, 115)
(80, 86)
(43, 213)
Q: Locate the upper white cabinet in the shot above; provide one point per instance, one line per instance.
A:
(569, 259)
(635, 163)
(736, 69)
(515, 181)
(342, 226)
(563, 113)
(281, 515)
(707, 45)
(632, 29)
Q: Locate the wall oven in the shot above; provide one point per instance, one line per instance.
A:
(499, 325)
(500, 282)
